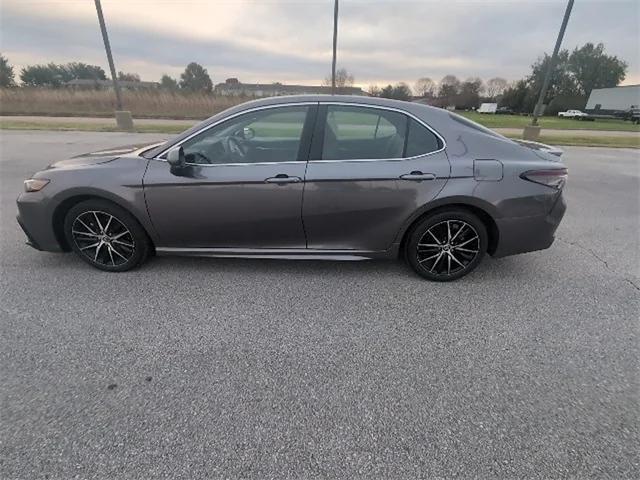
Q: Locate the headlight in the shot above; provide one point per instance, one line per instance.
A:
(35, 184)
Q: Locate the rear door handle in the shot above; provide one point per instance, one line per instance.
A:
(417, 176)
(283, 178)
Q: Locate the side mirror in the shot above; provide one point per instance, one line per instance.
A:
(175, 158)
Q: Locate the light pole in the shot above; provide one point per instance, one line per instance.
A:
(335, 46)
(123, 119)
(547, 77)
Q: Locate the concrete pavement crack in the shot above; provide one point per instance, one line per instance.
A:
(600, 259)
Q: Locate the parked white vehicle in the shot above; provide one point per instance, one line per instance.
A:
(573, 114)
(488, 108)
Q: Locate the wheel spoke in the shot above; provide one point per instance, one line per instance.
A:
(434, 237)
(448, 231)
(120, 242)
(459, 249)
(466, 242)
(93, 245)
(106, 227)
(86, 234)
(86, 226)
(429, 245)
(452, 257)
(109, 249)
(119, 254)
(115, 237)
(429, 258)
(464, 225)
(95, 258)
(95, 215)
(448, 263)
(436, 262)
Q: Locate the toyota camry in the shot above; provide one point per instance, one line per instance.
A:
(305, 177)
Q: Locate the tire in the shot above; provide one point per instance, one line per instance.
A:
(428, 249)
(124, 246)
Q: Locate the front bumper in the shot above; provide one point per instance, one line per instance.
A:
(528, 234)
(37, 223)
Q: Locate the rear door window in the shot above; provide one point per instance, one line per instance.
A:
(365, 133)
(353, 133)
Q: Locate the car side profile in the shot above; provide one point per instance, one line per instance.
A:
(306, 177)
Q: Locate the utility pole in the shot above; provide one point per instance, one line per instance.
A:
(123, 118)
(547, 78)
(335, 46)
(107, 47)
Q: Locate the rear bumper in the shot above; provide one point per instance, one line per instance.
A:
(37, 224)
(528, 234)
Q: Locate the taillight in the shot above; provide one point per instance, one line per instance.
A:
(552, 177)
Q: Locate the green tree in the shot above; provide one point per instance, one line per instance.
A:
(168, 83)
(400, 91)
(561, 83)
(82, 71)
(128, 77)
(592, 68)
(6, 73)
(449, 87)
(195, 79)
(469, 96)
(519, 97)
(50, 75)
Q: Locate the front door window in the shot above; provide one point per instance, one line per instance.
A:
(264, 136)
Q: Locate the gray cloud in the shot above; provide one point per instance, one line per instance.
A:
(378, 40)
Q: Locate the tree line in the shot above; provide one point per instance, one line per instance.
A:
(573, 77)
(195, 77)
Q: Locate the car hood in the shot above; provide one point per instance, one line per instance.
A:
(103, 156)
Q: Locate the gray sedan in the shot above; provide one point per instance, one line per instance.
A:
(306, 177)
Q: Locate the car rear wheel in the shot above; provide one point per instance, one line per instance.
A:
(106, 236)
(446, 245)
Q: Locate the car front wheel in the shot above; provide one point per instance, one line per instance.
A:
(446, 245)
(106, 236)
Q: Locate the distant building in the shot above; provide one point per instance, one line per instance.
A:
(615, 99)
(232, 87)
(88, 84)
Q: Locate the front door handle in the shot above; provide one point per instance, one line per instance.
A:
(283, 178)
(417, 176)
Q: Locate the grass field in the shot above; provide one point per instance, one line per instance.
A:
(556, 123)
(594, 140)
(158, 104)
(161, 104)
(101, 103)
(107, 126)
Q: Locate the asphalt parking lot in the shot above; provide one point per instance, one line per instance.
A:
(228, 368)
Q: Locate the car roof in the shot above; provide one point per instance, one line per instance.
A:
(356, 99)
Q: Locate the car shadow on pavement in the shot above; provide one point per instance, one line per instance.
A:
(493, 270)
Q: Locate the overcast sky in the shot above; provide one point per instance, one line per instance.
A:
(379, 41)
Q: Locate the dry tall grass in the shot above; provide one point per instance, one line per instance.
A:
(101, 103)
